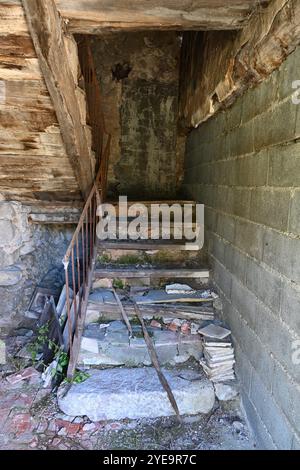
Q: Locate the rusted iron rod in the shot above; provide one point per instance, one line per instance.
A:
(155, 361)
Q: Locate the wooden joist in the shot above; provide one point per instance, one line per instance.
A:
(112, 273)
(94, 16)
(233, 61)
(49, 39)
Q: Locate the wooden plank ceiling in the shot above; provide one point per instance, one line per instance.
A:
(36, 163)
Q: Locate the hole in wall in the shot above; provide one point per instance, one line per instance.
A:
(121, 71)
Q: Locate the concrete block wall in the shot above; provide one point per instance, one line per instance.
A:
(244, 165)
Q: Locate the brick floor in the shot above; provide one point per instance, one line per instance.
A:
(30, 419)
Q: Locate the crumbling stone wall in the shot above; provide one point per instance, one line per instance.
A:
(139, 79)
(30, 255)
(244, 165)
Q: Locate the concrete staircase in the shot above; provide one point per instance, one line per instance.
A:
(122, 383)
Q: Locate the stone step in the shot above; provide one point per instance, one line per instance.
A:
(111, 346)
(120, 393)
(179, 245)
(119, 272)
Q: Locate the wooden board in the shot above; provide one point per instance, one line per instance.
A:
(48, 37)
(121, 272)
(233, 61)
(160, 296)
(34, 164)
(94, 16)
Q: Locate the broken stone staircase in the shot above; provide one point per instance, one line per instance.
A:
(122, 383)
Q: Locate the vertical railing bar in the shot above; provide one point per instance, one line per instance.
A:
(68, 305)
(78, 276)
(83, 258)
(74, 285)
(91, 228)
(86, 243)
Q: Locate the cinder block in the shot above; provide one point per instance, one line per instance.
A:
(277, 339)
(263, 438)
(233, 115)
(282, 253)
(243, 368)
(218, 248)
(275, 126)
(252, 170)
(264, 284)
(249, 104)
(259, 357)
(270, 207)
(284, 165)
(271, 414)
(290, 307)
(287, 394)
(224, 199)
(222, 277)
(294, 222)
(245, 302)
(241, 140)
(249, 238)
(235, 261)
(211, 219)
(287, 73)
(226, 227)
(267, 93)
(241, 199)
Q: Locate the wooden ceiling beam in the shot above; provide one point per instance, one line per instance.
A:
(49, 39)
(96, 16)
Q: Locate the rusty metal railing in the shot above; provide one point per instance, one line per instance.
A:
(79, 263)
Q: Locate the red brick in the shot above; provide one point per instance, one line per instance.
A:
(21, 423)
(185, 328)
(22, 375)
(155, 324)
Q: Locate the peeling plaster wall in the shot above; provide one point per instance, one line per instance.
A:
(138, 75)
(30, 255)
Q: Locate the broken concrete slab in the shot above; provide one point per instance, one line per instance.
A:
(226, 391)
(112, 346)
(135, 393)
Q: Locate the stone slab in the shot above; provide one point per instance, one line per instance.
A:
(112, 346)
(120, 393)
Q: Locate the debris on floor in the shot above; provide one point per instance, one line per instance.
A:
(179, 289)
(30, 419)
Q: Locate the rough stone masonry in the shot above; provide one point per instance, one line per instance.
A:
(30, 255)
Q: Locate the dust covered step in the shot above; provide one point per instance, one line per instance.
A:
(136, 393)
